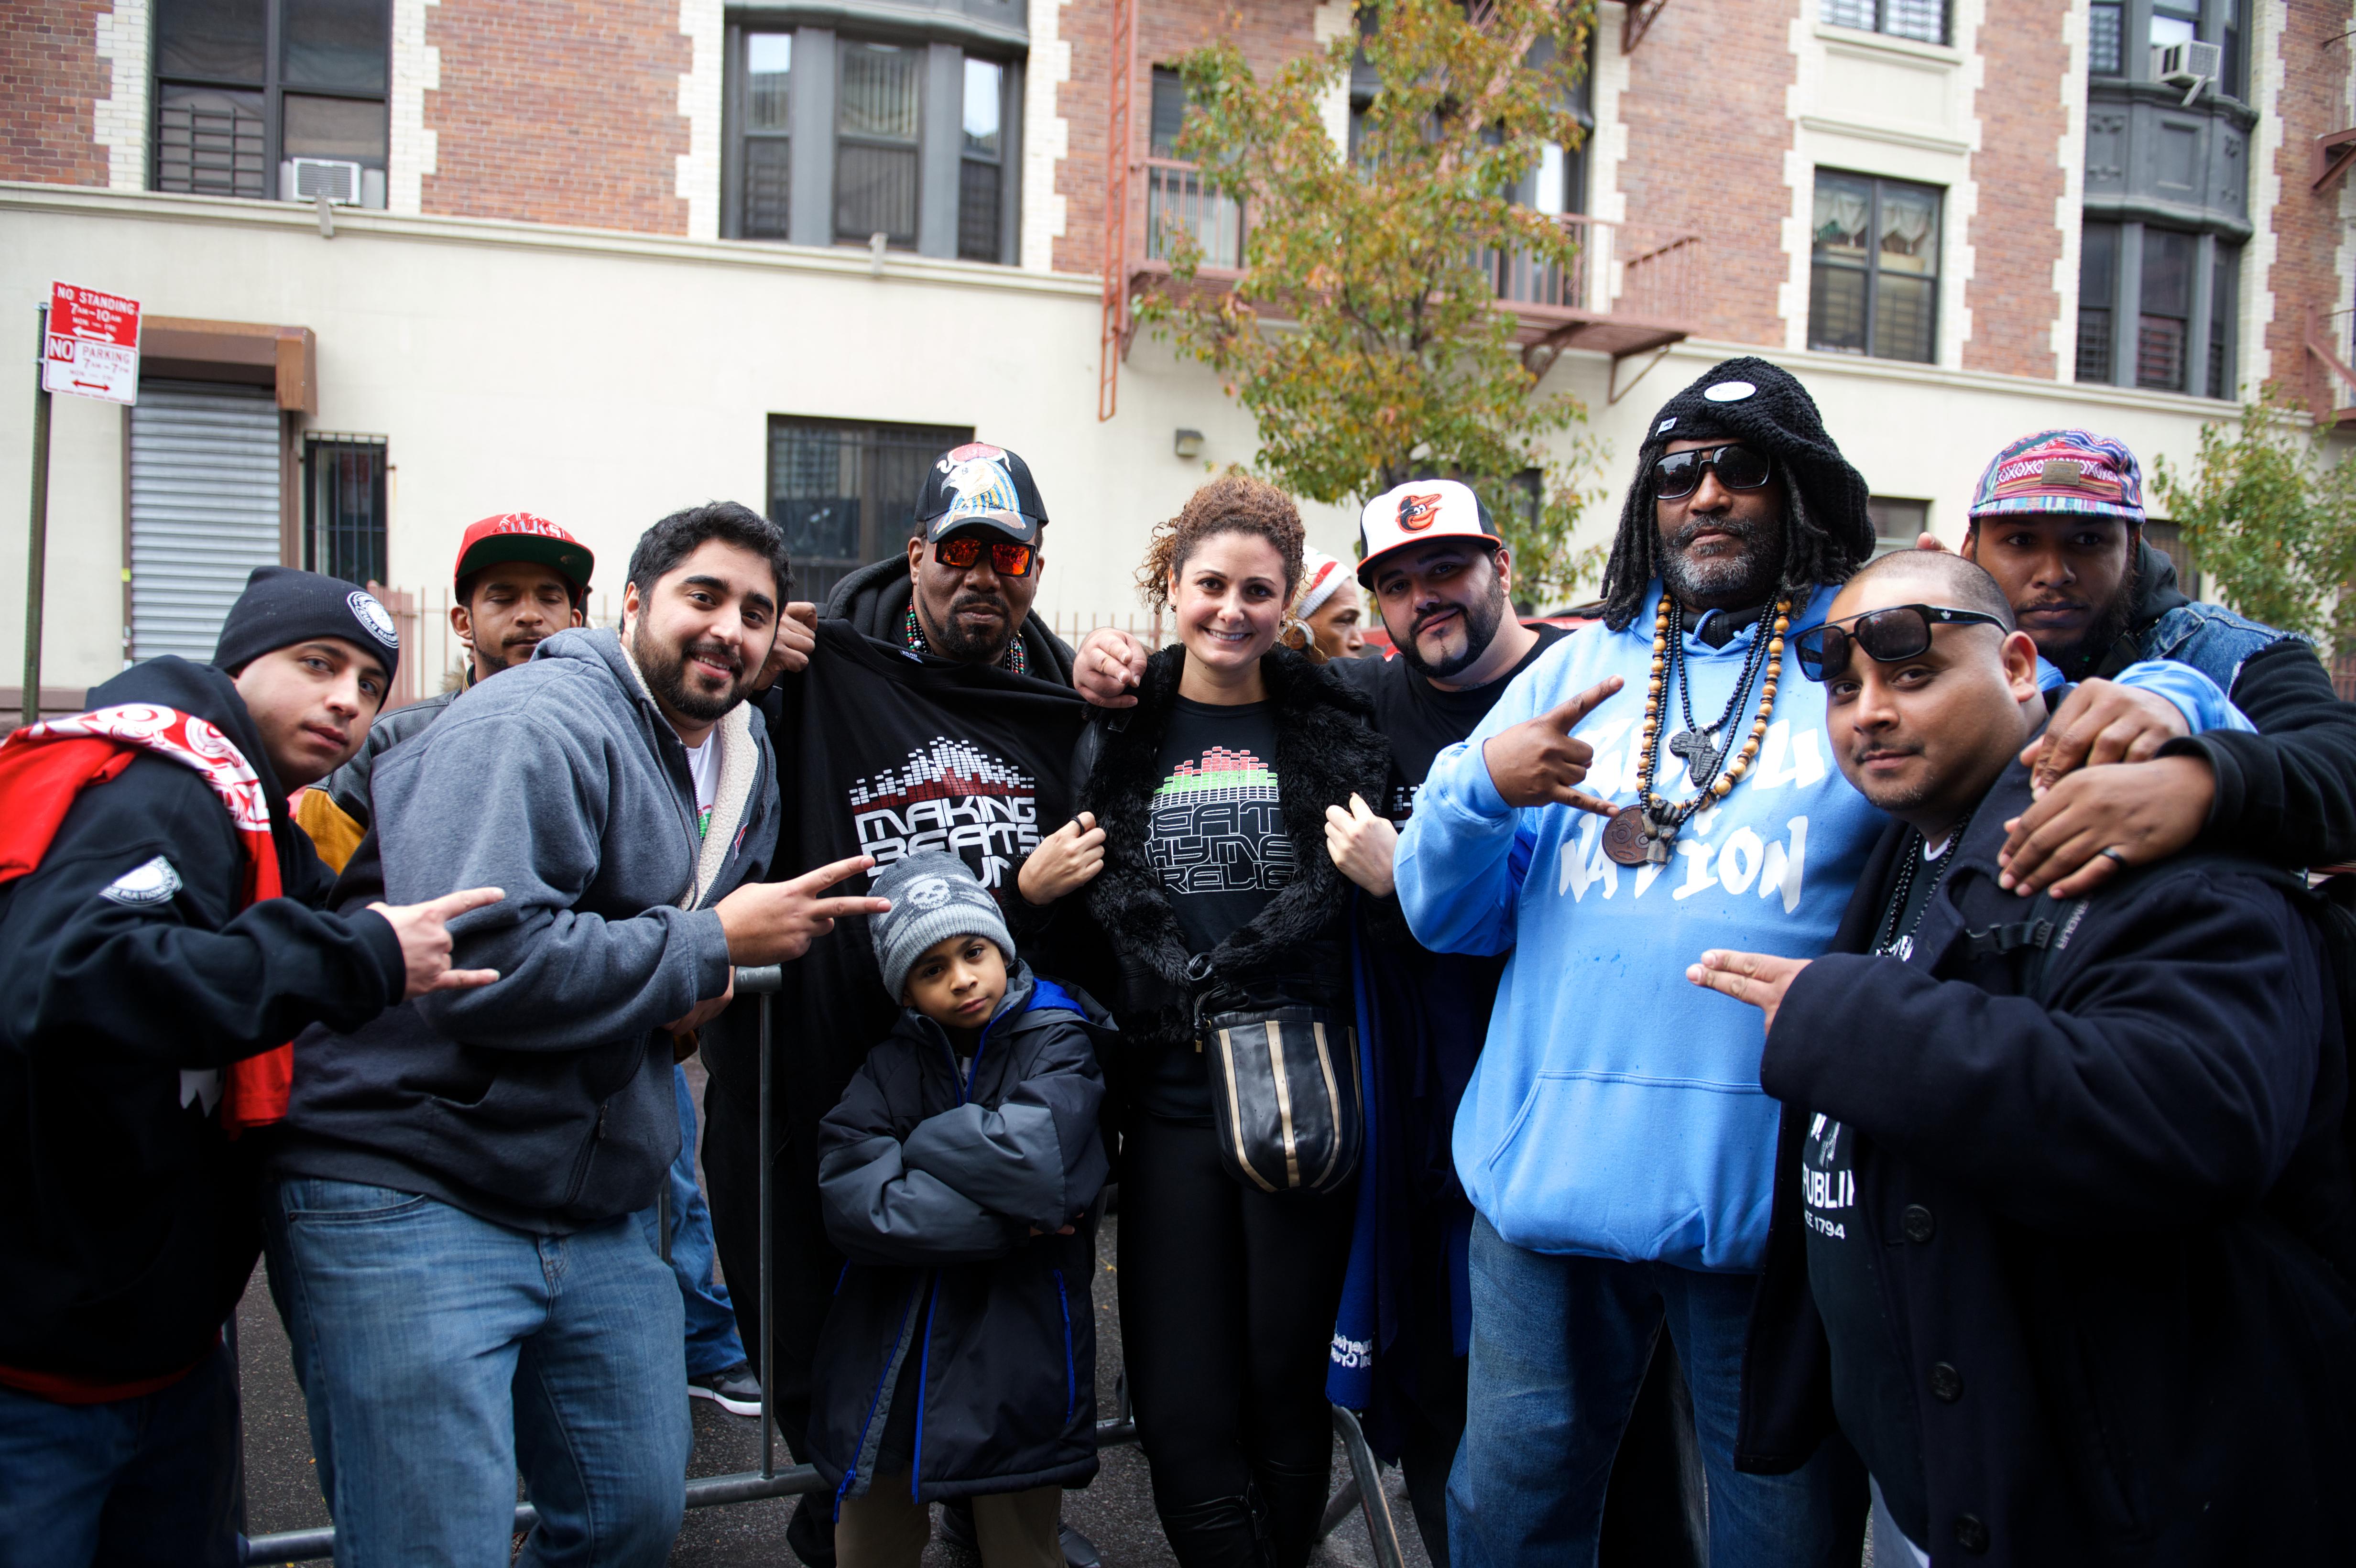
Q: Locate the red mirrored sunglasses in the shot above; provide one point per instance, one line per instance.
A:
(1007, 558)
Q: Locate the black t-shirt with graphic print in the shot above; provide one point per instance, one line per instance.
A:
(1872, 1393)
(1217, 839)
(1419, 719)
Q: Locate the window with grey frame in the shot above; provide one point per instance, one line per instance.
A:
(879, 97)
(845, 491)
(343, 484)
(2180, 292)
(1924, 21)
(1873, 277)
(272, 99)
(764, 114)
(2120, 35)
(832, 139)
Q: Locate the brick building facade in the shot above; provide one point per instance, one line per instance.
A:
(595, 256)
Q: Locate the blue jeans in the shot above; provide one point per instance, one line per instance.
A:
(439, 1353)
(713, 1345)
(157, 1479)
(1559, 1347)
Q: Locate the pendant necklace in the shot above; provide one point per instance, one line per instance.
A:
(1646, 832)
(1891, 940)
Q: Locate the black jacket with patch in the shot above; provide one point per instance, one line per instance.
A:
(128, 1218)
(1299, 943)
(933, 1182)
(2105, 1223)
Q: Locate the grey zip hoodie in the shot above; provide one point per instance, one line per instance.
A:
(542, 1101)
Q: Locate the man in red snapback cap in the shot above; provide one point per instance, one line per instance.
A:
(519, 580)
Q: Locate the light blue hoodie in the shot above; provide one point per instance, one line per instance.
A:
(1616, 1110)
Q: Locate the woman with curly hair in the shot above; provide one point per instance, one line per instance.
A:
(1211, 793)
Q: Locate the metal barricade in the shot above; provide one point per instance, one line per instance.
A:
(1364, 1489)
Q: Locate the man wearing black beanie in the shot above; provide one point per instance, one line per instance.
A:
(161, 939)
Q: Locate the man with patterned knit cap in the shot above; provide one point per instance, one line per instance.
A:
(160, 940)
(1647, 779)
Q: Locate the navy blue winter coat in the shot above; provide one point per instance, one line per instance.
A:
(932, 1182)
(2105, 1223)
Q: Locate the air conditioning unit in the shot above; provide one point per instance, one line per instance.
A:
(2187, 65)
(307, 179)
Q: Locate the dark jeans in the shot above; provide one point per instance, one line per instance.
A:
(154, 1480)
(1227, 1298)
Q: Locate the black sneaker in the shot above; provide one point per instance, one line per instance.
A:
(734, 1389)
(1079, 1551)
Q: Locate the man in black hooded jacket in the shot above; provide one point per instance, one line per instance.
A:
(2058, 520)
(2061, 1226)
(936, 713)
(161, 939)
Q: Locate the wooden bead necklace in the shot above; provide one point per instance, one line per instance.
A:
(1647, 831)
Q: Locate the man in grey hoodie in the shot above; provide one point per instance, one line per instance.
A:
(452, 1236)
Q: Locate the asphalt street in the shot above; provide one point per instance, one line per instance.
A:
(1114, 1511)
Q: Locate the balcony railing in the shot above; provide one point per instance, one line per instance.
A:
(1177, 202)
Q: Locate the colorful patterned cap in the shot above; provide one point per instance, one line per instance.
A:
(2062, 471)
(982, 485)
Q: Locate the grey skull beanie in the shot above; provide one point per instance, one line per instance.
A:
(281, 606)
(934, 897)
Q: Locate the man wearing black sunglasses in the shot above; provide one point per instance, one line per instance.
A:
(936, 713)
(2060, 1232)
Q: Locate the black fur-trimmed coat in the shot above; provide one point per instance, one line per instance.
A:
(1326, 748)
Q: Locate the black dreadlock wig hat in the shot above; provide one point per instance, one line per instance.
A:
(1827, 534)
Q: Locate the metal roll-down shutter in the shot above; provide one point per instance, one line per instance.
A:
(204, 509)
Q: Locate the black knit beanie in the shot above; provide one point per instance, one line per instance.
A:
(281, 606)
(1764, 407)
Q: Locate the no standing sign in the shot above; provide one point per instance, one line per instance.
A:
(92, 349)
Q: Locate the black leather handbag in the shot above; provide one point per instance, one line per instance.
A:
(1287, 1104)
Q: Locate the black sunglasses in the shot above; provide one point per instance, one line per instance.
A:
(1679, 475)
(1899, 632)
(1006, 558)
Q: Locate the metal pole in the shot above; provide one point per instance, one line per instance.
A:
(764, 983)
(40, 530)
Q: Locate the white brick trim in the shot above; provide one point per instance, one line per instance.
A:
(119, 121)
(2267, 21)
(699, 104)
(2069, 206)
(416, 70)
(1046, 136)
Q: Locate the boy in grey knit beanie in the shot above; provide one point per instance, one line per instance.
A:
(934, 897)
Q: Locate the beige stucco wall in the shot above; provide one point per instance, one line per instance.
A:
(604, 379)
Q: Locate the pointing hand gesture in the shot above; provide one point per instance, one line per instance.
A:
(1361, 845)
(423, 930)
(1759, 978)
(1538, 762)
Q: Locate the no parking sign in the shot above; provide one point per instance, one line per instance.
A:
(92, 348)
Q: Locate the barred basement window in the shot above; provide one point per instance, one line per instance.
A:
(845, 491)
(267, 99)
(344, 507)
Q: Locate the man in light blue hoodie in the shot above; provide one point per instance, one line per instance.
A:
(1652, 787)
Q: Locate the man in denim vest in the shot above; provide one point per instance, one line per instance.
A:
(2058, 521)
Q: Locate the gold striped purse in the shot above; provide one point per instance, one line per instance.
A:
(1286, 1100)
